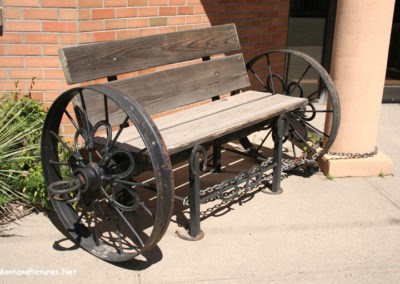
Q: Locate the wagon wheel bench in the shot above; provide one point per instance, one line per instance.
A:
(110, 179)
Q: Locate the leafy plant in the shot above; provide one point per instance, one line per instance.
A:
(21, 121)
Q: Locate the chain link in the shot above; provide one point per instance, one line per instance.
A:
(344, 156)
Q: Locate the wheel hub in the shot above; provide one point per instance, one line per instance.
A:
(90, 176)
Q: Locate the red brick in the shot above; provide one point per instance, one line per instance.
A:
(104, 36)
(168, 11)
(23, 73)
(69, 39)
(45, 85)
(87, 26)
(50, 96)
(102, 14)
(188, 10)
(42, 61)
(116, 24)
(11, 61)
(68, 14)
(138, 23)
(185, 28)
(21, 3)
(59, 3)
(3, 73)
(85, 14)
(148, 11)
(40, 14)
(9, 85)
(137, 2)
(60, 27)
(44, 38)
(195, 2)
(85, 38)
(53, 74)
(12, 13)
(11, 38)
(163, 30)
(199, 9)
(194, 19)
(177, 2)
(158, 2)
(13, 49)
(37, 95)
(148, 31)
(90, 3)
(126, 12)
(180, 20)
(50, 50)
(124, 34)
(114, 3)
(22, 26)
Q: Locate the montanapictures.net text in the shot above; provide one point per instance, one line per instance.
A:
(37, 272)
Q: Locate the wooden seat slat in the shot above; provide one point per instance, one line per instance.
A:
(184, 129)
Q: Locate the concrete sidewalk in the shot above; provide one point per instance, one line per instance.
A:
(344, 230)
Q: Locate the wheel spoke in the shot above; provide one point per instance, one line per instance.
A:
(121, 127)
(270, 74)
(258, 78)
(304, 74)
(298, 135)
(316, 129)
(75, 155)
(132, 183)
(263, 141)
(74, 123)
(318, 91)
(106, 109)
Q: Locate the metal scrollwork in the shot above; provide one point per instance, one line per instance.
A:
(92, 166)
(245, 181)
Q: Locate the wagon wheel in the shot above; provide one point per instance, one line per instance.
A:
(313, 128)
(115, 202)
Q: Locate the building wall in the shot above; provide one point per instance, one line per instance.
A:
(33, 31)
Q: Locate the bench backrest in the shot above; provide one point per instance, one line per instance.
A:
(170, 88)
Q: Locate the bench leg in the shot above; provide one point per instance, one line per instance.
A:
(216, 158)
(195, 232)
(280, 131)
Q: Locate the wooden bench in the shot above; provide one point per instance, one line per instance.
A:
(126, 132)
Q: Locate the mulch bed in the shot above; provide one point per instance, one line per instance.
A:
(13, 211)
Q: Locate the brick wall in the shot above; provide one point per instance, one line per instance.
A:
(33, 30)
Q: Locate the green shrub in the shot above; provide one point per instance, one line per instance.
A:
(21, 121)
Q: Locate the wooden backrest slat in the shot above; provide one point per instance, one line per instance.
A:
(100, 60)
(169, 89)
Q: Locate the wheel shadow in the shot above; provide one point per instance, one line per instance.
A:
(67, 243)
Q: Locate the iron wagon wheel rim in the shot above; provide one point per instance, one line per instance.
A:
(157, 152)
(324, 76)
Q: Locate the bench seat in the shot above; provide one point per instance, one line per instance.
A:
(202, 124)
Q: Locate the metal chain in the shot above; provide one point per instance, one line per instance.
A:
(214, 192)
(343, 156)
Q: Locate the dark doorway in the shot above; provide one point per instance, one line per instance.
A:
(311, 26)
(392, 83)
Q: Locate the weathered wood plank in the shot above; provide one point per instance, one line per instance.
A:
(173, 88)
(185, 129)
(100, 60)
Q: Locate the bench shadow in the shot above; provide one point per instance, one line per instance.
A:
(233, 164)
